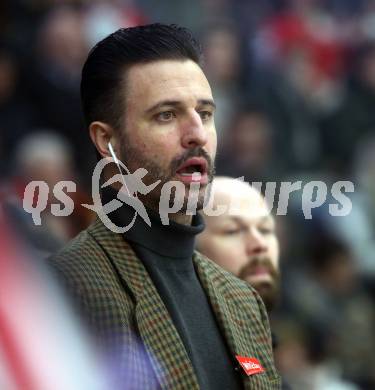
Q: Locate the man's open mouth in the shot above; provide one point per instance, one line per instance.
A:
(194, 169)
(193, 165)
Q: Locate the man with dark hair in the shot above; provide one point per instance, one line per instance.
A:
(167, 316)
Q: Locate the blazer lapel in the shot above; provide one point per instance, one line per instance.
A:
(226, 318)
(244, 337)
(162, 341)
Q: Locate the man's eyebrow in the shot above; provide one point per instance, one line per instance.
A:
(177, 103)
(263, 219)
(163, 103)
(207, 102)
(237, 220)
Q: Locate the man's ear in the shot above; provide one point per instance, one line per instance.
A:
(101, 133)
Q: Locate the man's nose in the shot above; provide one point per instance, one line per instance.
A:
(255, 242)
(194, 132)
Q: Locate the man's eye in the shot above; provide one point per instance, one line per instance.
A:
(165, 116)
(232, 231)
(205, 115)
(266, 230)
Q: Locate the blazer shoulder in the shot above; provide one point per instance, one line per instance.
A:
(87, 273)
(83, 265)
(76, 251)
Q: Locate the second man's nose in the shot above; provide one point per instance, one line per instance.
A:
(255, 243)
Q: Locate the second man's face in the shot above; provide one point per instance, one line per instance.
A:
(169, 125)
(244, 243)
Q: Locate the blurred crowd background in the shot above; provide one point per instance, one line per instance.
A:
(294, 82)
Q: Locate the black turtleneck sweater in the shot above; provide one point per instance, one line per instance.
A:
(166, 252)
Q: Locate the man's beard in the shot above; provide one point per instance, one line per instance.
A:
(133, 159)
(268, 290)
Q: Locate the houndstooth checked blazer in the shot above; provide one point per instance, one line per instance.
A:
(122, 306)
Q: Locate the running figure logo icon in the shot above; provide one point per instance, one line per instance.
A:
(131, 185)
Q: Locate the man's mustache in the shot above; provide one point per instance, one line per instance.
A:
(255, 262)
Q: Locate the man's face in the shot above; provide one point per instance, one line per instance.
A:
(169, 127)
(244, 244)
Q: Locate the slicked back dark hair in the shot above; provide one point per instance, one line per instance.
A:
(103, 81)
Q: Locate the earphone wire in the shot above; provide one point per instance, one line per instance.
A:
(115, 159)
